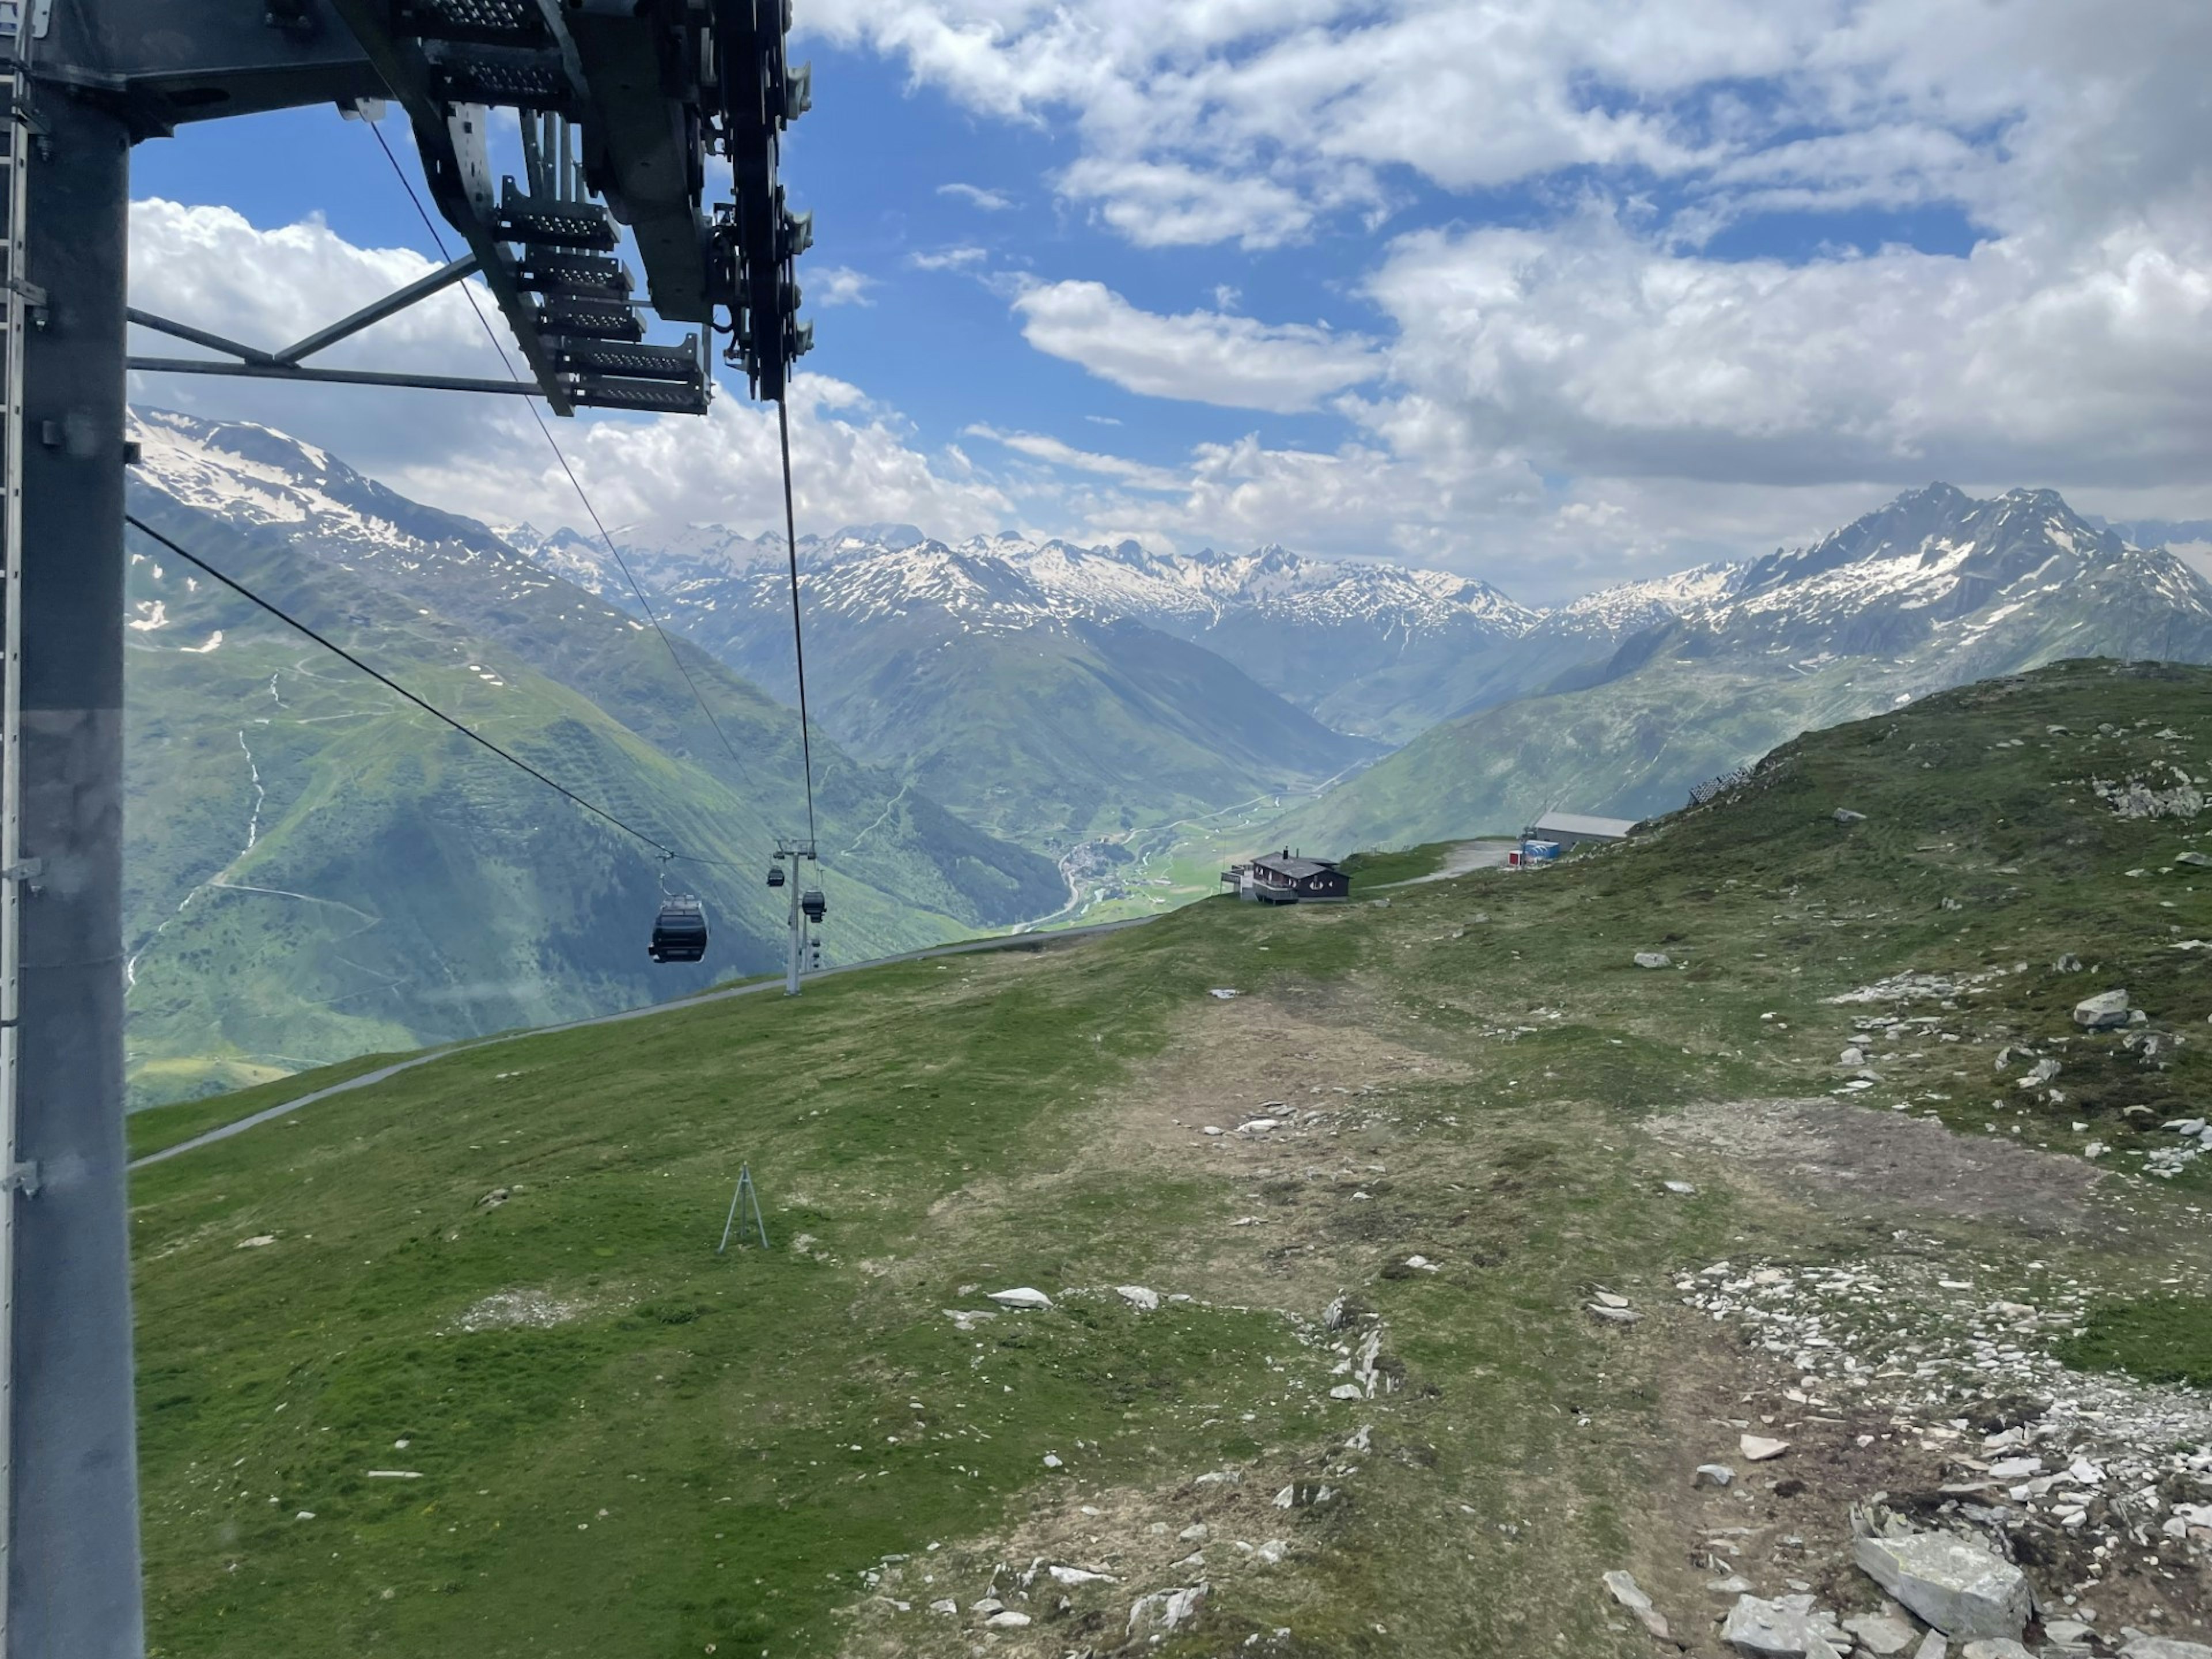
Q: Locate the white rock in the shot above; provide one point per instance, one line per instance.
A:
(1932, 1646)
(1759, 1450)
(1654, 959)
(1997, 1647)
(1610, 1299)
(1166, 1610)
(257, 1242)
(1679, 1188)
(1052, 1459)
(1271, 1553)
(1880, 1634)
(1614, 1315)
(2103, 1012)
(1021, 1296)
(1258, 1125)
(2164, 1647)
(1626, 1592)
(1079, 1575)
(1787, 1629)
(947, 1606)
(1963, 1589)
(1008, 1620)
(1715, 1475)
(1195, 1533)
(1347, 1391)
(1138, 1296)
(1221, 992)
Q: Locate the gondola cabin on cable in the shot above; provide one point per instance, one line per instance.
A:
(679, 932)
(813, 905)
(775, 875)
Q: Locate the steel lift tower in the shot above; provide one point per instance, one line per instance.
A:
(627, 112)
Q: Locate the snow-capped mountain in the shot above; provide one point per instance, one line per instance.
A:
(1933, 590)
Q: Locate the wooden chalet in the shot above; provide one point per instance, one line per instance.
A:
(1285, 878)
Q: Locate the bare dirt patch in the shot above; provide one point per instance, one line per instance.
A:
(1836, 1153)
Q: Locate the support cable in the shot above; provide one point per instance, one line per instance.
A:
(798, 644)
(240, 588)
(553, 444)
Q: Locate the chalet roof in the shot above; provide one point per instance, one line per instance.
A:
(1580, 823)
(1294, 869)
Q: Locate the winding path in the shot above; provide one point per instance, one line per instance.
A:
(999, 942)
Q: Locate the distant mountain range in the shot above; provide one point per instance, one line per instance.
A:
(316, 869)
(1933, 590)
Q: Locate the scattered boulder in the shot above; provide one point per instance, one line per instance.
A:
(1679, 1188)
(1932, 1646)
(494, 1199)
(1022, 1295)
(2201, 860)
(1221, 993)
(2102, 1012)
(1715, 1475)
(1851, 1056)
(1788, 1628)
(1066, 1575)
(1880, 1634)
(1759, 1450)
(1626, 1592)
(1963, 1589)
(2068, 964)
(1613, 1315)
(1654, 959)
(1845, 815)
(1140, 1297)
(1995, 1648)
(1167, 1609)
(2141, 1646)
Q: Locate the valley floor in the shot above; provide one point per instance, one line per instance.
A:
(1395, 1299)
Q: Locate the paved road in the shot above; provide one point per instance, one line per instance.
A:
(1001, 942)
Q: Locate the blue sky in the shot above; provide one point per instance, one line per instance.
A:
(1555, 293)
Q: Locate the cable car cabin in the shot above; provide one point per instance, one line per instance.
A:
(775, 875)
(813, 905)
(679, 932)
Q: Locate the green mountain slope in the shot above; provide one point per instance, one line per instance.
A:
(1047, 728)
(1936, 589)
(495, 1279)
(317, 869)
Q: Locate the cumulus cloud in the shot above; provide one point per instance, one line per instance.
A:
(1201, 356)
(2033, 356)
(963, 257)
(481, 455)
(990, 201)
(837, 285)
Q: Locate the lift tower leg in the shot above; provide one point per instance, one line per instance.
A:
(73, 1565)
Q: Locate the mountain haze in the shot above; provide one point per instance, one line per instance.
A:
(1933, 590)
(317, 869)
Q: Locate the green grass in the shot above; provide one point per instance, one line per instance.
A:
(1029, 1118)
(2167, 1339)
(157, 1127)
(1383, 869)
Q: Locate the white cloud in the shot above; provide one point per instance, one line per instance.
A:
(963, 257)
(2065, 361)
(483, 455)
(837, 285)
(990, 201)
(1201, 356)
(1053, 452)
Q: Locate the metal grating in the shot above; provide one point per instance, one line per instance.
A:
(597, 319)
(583, 276)
(532, 81)
(560, 224)
(649, 362)
(520, 22)
(658, 397)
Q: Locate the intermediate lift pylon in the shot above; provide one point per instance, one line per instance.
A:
(808, 906)
(629, 99)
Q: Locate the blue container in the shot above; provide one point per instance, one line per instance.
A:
(1539, 852)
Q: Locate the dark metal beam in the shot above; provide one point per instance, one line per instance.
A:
(198, 336)
(269, 369)
(444, 278)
